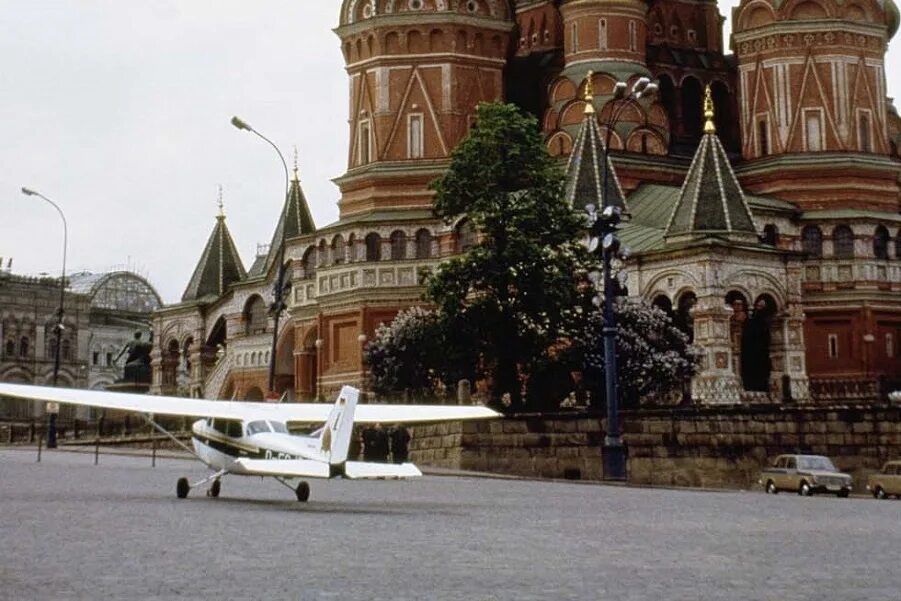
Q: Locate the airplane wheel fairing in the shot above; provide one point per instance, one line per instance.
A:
(182, 488)
(303, 492)
(214, 489)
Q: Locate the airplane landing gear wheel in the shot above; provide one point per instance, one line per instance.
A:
(303, 492)
(182, 488)
(214, 489)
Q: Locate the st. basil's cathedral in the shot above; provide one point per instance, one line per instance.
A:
(782, 199)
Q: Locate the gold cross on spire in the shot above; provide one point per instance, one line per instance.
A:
(589, 94)
(221, 204)
(709, 127)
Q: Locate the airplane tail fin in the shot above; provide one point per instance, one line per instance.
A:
(334, 439)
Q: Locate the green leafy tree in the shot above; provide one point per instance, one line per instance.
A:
(508, 289)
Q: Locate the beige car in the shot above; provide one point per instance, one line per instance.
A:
(887, 482)
(806, 475)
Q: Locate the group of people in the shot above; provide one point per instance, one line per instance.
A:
(385, 445)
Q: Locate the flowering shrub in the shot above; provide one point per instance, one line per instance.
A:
(416, 353)
(653, 356)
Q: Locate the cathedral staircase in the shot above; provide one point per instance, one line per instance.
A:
(214, 382)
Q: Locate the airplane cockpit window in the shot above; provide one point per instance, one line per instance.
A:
(234, 429)
(257, 427)
(279, 427)
(229, 427)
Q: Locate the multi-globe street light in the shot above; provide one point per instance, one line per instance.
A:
(603, 223)
(278, 292)
(51, 429)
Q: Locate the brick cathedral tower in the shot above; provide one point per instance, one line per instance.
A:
(813, 109)
(818, 131)
(417, 70)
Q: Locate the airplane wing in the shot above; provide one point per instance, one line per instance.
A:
(285, 412)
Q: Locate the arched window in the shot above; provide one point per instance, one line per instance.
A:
(692, 108)
(338, 249)
(186, 353)
(771, 234)
(10, 348)
(66, 350)
(684, 320)
(423, 244)
(667, 95)
(843, 242)
(663, 303)
(351, 248)
(255, 318)
(898, 245)
(373, 247)
(812, 241)
(722, 102)
(309, 263)
(171, 359)
(466, 236)
(398, 245)
(23, 346)
(880, 243)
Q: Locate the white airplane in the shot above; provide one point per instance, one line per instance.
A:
(252, 439)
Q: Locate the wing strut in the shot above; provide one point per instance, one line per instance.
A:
(148, 417)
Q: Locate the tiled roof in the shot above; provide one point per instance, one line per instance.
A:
(219, 266)
(711, 202)
(295, 220)
(585, 171)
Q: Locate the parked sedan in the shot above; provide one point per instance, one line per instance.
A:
(886, 482)
(805, 474)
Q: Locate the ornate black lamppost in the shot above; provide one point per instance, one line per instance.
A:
(279, 289)
(51, 428)
(603, 224)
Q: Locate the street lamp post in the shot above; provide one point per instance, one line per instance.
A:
(278, 292)
(603, 224)
(51, 429)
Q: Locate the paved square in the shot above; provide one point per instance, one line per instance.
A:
(71, 530)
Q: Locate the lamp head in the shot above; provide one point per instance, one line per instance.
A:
(611, 213)
(29, 192)
(640, 84)
(619, 90)
(237, 122)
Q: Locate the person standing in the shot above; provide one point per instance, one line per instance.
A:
(379, 444)
(369, 444)
(400, 441)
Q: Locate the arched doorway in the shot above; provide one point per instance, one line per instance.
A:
(307, 375)
(683, 318)
(739, 304)
(756, 364)
(284, 364)
(254, 394)
(171, 359)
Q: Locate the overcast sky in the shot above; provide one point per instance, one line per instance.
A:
(119, 112)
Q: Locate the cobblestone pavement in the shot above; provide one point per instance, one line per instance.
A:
(71, 530)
